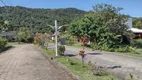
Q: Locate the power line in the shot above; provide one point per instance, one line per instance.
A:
(8, 3)
(3, 2)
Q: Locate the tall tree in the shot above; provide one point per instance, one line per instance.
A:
(105, 26)
(23, 33)
(137, 22)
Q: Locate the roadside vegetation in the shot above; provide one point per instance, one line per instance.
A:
(105, 27)
(3, 44)
(85, 73)
(14, 43)
(9, 38)
(137, 53)
(106, 30)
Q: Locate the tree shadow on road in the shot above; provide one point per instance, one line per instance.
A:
(69, 55)
(114, 67)
(93, 53)
(5, 49)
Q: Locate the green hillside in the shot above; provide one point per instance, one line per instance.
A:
(36, 18)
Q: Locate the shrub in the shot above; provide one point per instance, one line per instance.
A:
(69, 39)
(42, 40)
(113, 48)
(96, 70)
(61, 50)
(35, 41)
(94, 46)
(3, 43)
(70, 42)
(137, 43)
(24, 35)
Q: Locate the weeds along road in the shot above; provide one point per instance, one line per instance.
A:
(119, 65)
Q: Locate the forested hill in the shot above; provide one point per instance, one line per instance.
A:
(38, 18)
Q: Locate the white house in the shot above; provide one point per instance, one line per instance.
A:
(136, 31)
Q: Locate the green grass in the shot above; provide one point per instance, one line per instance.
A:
(84, 73)
(14, 43)
(139, 51)
(49, 52)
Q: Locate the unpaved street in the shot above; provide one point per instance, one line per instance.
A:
(24, 62)
(119, 65)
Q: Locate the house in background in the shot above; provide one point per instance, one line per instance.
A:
(136, 31)
(10, 36)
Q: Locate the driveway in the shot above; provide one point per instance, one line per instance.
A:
(25, 62)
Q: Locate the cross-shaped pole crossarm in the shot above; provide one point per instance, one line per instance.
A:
(53, 27)
(56, 27)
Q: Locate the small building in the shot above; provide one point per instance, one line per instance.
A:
(137, 32)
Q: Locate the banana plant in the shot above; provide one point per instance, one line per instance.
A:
(4, 25)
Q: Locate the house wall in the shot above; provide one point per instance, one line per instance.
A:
(141, 35)
(138, 36)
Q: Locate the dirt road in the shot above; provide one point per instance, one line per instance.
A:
(120, 65)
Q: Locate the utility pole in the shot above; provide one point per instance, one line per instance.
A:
(56, 37)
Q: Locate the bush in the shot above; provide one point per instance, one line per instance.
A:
(42, 40)
(61, 50)
(69, 39)
(122, 48)
(94, 46)
(113, 48)
(137, 43)
(70, 43)
(133, 50)
(3, 43)
(35, 41)
(24, 35)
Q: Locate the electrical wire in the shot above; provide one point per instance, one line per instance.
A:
(7, 3)
(3, 2)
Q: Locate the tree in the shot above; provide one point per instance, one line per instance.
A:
(3, 43)
(23, 33)
(105, 26)
(137, 22)
(38, 19)
(4, 25)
